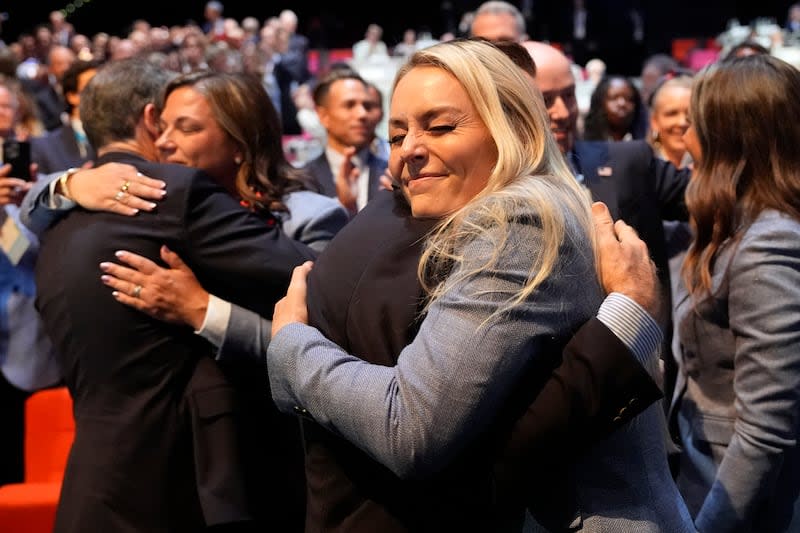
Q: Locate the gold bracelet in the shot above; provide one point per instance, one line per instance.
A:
(62, 182)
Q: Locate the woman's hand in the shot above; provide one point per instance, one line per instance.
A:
(171, 294)
(115, 187)
(292, 307)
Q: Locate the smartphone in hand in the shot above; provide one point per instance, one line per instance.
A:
(18, 155)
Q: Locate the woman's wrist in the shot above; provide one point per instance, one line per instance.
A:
(62, 186)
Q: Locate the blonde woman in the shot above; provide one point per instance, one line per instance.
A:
(509, 266)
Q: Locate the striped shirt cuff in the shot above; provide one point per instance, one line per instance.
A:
(635, 328)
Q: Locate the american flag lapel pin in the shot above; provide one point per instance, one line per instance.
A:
(604, 171)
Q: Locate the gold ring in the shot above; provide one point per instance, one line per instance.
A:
(125, 186)
(119, 196)
(137, 290)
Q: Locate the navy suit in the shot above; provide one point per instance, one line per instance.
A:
(58, 150)
(642, 190)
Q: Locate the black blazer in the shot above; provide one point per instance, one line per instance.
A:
(642, 190)
(155, 447)
(364, 295)
(58, 150)
(638, 188)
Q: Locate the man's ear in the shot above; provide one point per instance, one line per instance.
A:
(151, 120)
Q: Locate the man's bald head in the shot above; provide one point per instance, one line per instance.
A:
(555, 79)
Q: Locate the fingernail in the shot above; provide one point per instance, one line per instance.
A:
(115, 294)
(134, 211)
(151, 205)
(163, 193)
(119, 253)
(105, 266)
(105, 278)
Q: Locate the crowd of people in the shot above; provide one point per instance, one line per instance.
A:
(511, 312)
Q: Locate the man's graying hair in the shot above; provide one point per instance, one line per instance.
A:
(113, 101)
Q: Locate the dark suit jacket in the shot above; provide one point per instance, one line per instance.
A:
(51, 106)
(154, 446)
(642, 190)
(364, 295)
(58, 150)
(324, 175)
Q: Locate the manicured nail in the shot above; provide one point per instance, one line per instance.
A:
(104, 266)
(120, 253)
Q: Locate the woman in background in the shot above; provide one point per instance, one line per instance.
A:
(669, 118)
(616, 111)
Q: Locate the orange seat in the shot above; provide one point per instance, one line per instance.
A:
(30, 507)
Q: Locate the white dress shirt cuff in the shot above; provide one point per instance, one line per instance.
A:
(215, 324)
(635, 328)
(53, 200)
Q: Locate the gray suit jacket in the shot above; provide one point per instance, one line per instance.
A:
(737, 397)
(313, 219)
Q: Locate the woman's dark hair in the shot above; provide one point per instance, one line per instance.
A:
(596, 127)
(244, 111)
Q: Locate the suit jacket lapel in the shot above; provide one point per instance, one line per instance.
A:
(377, 166)
(598, 173)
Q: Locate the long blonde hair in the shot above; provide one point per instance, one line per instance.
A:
(530, 175)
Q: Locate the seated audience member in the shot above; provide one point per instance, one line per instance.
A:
(27, 358)
(67, 147)
(737, 403)
(653, 69)
(616, 111)
(371, 47)
(497, 20)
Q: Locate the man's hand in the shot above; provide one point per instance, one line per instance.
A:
(292, 307)
(346, 182)
(624, 263)
(12, 190)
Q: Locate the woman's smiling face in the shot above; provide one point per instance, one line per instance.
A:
(441, 151)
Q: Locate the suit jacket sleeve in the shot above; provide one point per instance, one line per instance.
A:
(598, 387)
(35, 211)
(764, 314)
(235, 255)
(670, 187)
(313, 219)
